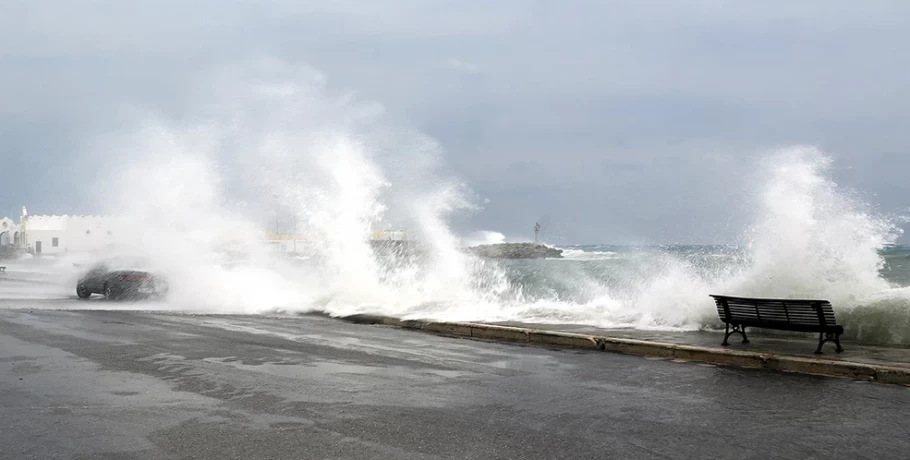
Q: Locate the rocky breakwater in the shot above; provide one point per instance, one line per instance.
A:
(516, 251)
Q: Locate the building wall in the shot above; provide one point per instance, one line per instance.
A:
(7, 228)
(73, 233)
(44, 237)
(88, 233)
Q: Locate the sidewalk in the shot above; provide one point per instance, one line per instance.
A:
(759, 342)
(766, 351)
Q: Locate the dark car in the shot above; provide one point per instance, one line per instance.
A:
(122, 278)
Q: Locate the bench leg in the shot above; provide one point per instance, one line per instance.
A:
(741, 330)
(828, 337)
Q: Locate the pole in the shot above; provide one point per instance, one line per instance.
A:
(275, 210)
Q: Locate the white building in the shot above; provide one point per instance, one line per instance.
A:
(9, 232)
(42, 234)
(59, 234)
(56, 234)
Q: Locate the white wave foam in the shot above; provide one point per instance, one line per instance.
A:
(483, 237)
(810, 238)
(580, 254)
(276, 151)
(281, 153)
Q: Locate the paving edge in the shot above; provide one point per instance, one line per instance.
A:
(736, 358)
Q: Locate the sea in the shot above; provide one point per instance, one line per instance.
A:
(667, 287)
(608, 286)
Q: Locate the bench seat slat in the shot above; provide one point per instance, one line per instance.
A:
(780, 312)
(793, 326)
(764, 299)
(775, 301)
(771, 311)
(778, 304)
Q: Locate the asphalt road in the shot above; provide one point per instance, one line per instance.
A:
(138, 385)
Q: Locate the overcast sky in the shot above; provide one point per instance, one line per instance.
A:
(609, 121)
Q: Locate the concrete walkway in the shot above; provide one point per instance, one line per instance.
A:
(801, 345)
(785, 354)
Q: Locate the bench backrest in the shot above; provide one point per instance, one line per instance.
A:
(798, 312)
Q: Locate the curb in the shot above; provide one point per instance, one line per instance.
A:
(735, 358)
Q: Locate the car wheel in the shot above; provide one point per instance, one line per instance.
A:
(82, 292)
(109, 292)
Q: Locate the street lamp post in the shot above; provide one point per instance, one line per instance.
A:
(296, 225)
(275, 209)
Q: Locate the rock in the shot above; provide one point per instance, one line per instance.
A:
(516, 251)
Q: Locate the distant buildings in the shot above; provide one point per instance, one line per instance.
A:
(301, 242)
(390, 235)
(54, 234)
(59, 234)
(42, 234)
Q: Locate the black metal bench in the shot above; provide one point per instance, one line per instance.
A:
(800, 315)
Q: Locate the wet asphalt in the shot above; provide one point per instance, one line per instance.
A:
(145, 385)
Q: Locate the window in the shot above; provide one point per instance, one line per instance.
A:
(55, 242)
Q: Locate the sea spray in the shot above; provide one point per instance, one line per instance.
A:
(810, 237)
(268, 147)
(274, 150)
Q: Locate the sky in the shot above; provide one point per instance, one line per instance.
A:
(606, 121)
